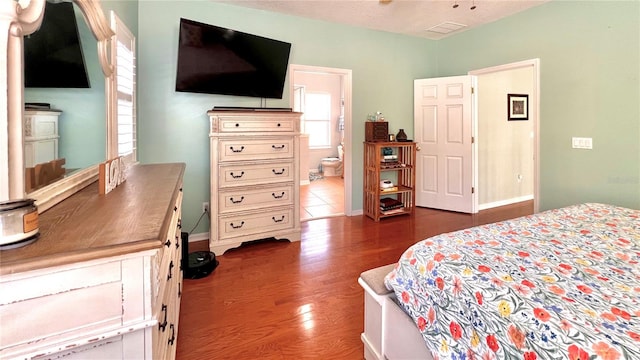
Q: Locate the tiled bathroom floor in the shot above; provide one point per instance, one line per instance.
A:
(322, 198)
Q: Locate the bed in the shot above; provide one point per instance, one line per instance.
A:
(561, 284)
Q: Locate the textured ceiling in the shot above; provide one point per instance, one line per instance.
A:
(408, 17)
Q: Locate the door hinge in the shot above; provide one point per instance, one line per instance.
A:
(473, 190)
(472, 90)
(473, 140)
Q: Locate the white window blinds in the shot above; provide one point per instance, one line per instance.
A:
(124, 61)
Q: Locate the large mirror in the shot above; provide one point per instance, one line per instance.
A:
(64, 86)
(22, 18)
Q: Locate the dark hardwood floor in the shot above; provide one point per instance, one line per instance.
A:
(301, 300)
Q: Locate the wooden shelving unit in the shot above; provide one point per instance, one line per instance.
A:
(401, 174)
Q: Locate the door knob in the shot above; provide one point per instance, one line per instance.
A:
(418, 148)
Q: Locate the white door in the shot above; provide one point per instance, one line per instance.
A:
(443, 125)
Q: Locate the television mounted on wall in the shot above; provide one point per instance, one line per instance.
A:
(218, 60)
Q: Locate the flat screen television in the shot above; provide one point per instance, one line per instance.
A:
(217, 60)
(53, 55)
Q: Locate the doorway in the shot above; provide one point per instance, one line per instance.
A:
(324, 196)
(505, 154)
(517, 77)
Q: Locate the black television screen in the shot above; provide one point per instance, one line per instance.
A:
(53, 55)
(217, 60)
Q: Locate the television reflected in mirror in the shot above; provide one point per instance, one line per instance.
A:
(53, 56)
(217, 60)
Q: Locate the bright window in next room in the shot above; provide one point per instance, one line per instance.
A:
(317, 119)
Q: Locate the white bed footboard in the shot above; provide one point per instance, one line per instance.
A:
(389, 333)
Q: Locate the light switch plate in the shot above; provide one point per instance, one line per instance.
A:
(581, 143)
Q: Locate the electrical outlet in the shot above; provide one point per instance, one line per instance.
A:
(205, 207)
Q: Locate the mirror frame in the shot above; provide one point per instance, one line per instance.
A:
(16, 22)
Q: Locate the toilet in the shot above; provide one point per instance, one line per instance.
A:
(332, 166)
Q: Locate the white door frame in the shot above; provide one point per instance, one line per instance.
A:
(534, 101)
(346, 77)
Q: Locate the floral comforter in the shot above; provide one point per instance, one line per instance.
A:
(562, 284)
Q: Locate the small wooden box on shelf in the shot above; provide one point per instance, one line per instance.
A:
(397, 166)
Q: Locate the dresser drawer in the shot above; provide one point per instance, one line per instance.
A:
(240, 124)
(243, 149)
(253, 223)
(241, 200)
(42, 125)
(255, 174)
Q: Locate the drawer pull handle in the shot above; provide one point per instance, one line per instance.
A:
(173, 334)
(237, 176)
(162, 326)
(175, 208)
(278, 124)
(276, 220)
(170, 275)
(277, 196)
(274, 147)
(179, 290)
(177, 242)
(179, 223)
(237, 125)
(236, 150)
(236, 201)
(237, 226)
(167, 243)
(278, 172)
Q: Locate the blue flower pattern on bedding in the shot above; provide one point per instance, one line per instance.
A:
(561, 284)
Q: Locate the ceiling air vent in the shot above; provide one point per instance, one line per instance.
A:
(446, 27)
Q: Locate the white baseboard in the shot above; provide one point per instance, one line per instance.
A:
(198, 237)
(504, 202)
(357, 212)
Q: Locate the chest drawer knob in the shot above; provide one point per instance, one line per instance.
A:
(276, 147)
(277, 196)
(237, 125)
(236, 150)
(236, 201)
(279, 125)
(237, 176)
(237, 226)
(278, 172)
(167, 243)
(278, 220)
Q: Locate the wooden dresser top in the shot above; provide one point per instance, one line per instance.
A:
(86, 226)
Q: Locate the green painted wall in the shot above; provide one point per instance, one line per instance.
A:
(590, 67)
(589, 53)
(173, 127)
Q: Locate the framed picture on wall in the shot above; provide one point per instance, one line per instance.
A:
(517, 107)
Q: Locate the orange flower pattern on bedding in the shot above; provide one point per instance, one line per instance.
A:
(561, 284)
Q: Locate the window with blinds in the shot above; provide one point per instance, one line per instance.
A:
(124, 61)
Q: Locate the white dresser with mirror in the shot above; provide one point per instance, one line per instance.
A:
(103, 280)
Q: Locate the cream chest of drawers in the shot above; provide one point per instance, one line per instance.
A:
(40, 136)
(104, 279)
(255, 177)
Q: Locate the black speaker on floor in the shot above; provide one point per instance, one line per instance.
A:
(197, 264)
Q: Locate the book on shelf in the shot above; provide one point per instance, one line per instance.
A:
(392, 211)
(388, 202)
(388, 157)
(389, 189)
(387, 208)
